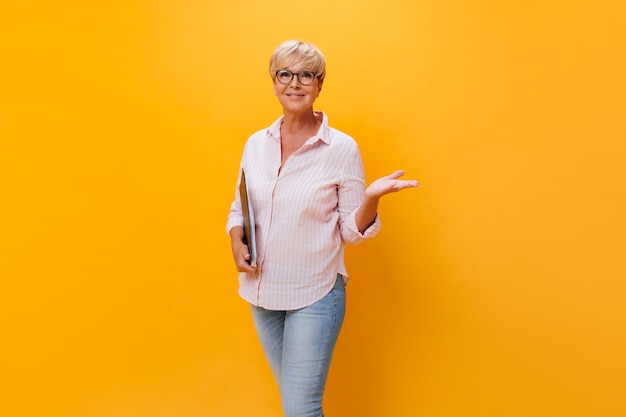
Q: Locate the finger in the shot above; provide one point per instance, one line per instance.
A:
(399, 185)
(245, 267)
(396, 174)
(244, 259)
(408, 183)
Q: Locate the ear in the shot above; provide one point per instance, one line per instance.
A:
(274, 87)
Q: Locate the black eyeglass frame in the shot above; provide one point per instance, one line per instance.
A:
(297, 74)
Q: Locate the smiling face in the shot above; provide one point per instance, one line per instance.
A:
(294, 96)
(297, 56)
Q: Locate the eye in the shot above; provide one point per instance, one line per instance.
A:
(307, 75)
(284, 75)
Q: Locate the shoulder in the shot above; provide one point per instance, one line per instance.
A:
(332, 136)
(262, 133)
(263, 137)
(271, 131)
(255, 141)
(339, 139)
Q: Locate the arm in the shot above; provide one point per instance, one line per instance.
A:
(234, 228)
(366, 213)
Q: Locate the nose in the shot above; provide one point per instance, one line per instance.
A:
(295, 82)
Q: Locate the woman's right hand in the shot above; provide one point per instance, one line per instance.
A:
(241, 254)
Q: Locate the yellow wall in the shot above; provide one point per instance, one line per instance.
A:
(494, 290)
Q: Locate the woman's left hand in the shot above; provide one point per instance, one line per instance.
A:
(366, 213)
(389, 184)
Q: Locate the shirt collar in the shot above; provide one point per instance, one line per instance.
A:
(322, 134)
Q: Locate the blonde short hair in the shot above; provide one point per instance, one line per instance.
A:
(301, 52)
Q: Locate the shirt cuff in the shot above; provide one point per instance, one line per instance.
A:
(353, 235)
(233, 220)
(373, 229)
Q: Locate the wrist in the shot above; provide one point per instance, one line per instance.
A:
(370, 198)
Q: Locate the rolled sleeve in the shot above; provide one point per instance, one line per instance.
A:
(351, 234)
(351, 194)
(235, 216)
(234, 219)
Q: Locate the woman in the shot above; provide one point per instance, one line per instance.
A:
(307, 189)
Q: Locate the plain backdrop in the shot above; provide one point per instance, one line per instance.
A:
(496, 289)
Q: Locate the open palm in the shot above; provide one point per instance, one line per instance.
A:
(389, 184)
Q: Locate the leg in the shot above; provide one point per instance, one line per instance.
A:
(309, 340)
(270, 327)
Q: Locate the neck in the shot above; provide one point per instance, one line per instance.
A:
(299, 122)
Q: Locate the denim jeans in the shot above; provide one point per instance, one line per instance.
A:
(298, 345)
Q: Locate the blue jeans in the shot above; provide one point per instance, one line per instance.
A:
(298, 345)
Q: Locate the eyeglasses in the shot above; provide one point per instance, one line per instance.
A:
(284, 76)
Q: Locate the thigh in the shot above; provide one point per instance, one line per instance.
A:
(309, 340)
(270, 326)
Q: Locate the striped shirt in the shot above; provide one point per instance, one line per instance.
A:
(304, 213)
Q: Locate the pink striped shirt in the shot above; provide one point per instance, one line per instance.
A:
(304, 215)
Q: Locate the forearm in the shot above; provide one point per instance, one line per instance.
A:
(236, 234)
(240, 250)
(366, 213)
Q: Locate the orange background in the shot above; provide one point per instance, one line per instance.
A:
(496, 289)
